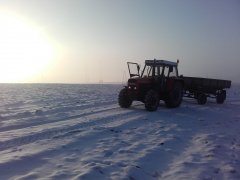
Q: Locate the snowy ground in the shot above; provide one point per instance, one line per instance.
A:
(79, 132)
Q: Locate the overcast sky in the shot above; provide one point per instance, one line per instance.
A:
(98, 37)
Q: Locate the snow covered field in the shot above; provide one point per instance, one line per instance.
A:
(79, 132)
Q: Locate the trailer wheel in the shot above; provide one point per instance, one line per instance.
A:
(151, 100)
(202, 99)
(221, 97)
(174, 98)
(195, 95)
(124, 100)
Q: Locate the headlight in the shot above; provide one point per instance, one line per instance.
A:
(132, 87)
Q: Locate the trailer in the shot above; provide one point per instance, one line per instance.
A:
(203, 88)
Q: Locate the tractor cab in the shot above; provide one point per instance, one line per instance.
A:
(160, 68)
(153, 68)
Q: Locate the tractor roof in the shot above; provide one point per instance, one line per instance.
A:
(160, 62)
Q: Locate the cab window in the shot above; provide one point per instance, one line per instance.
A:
(166, 71)
(172, 72)
(147, 71)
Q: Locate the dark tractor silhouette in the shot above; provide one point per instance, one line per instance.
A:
(157, 81)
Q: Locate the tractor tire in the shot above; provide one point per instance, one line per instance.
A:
(202, 99)
(221, 97)
(151, 100)
(124, 100)
(174, 98)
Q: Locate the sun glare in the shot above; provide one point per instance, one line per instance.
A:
(25, 51)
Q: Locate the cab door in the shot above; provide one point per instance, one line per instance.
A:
(172, 74)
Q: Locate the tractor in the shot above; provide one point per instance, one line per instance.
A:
(159, 80)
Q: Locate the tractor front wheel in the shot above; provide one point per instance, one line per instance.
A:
(151, 100)
(124, 100)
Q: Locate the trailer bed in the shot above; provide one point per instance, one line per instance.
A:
(206, 85)
(201, 88)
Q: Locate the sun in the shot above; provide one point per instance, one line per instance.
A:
(25, 51)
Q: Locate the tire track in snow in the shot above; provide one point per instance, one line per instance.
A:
(36, 119)
(41, 147)
(62, 121)
(47, 131)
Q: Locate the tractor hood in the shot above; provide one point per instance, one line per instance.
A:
(139, 80)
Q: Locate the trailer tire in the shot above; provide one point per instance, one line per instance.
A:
(221, 97)
(124, 100)
(151, 100)
(195, 95)
(174, 98)
(224, 94)
(202, 99)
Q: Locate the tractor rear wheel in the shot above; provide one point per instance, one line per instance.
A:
(151, 100)
(174, 98)
(124, 100)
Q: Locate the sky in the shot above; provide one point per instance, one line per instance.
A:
(90, 41)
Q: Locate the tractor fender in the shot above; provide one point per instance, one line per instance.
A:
(172, 81)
